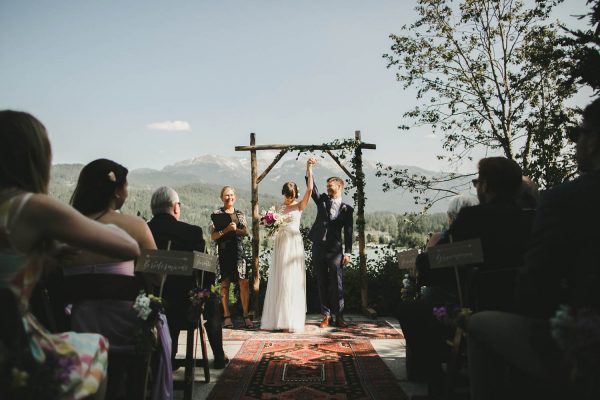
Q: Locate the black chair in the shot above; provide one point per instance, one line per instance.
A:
(128, 371)
(491, 289)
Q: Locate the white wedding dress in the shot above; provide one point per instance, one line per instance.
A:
(285, 300)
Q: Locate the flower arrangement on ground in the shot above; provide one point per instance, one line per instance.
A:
(148, 308)
(198, 298)
(272, 220)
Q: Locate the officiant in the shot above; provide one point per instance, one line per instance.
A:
(228, 229)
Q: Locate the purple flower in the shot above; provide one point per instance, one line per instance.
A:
(440, 313)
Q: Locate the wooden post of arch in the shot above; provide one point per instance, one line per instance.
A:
(357, 180)
(255, 222)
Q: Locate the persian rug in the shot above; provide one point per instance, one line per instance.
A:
(355, 330)
(307, 369)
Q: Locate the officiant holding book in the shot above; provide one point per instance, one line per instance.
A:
(228, 228)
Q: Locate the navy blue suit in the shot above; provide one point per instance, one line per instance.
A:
(327, 251)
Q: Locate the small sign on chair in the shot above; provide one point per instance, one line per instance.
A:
(165, 262)
(455, 254)
(205, 262)
(407, 259)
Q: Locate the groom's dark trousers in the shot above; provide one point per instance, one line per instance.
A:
(327, 260)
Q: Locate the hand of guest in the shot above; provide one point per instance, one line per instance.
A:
(434, 239)
(346, 260)
(232, 227)
(311, 162)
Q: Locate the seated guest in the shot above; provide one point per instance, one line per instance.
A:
(166, 227)
(562, 267)
(104, 288)
(30, 222)
(503, 229)
(501, 225)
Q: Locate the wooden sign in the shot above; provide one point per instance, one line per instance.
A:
(454, 254)
(407, 259)
(205, 262)
(166, 262)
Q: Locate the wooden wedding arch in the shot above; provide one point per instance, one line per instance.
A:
(357, 180)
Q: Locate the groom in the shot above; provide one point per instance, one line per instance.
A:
(327, 254)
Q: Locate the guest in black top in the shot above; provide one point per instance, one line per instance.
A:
(166, 227)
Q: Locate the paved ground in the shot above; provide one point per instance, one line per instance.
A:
(392, 352)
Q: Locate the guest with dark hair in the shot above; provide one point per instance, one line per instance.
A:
(103, 288)
(562, 268)
(529, 195)
(30, 222)
(167, 229)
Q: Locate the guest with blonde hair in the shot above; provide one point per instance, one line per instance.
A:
(232, 265)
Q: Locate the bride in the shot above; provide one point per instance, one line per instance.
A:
(285, 300)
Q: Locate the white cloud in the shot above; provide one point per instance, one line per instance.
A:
(170, 126)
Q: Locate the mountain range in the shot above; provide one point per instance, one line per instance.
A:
(208, 173)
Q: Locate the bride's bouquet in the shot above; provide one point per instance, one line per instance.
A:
(272, 220)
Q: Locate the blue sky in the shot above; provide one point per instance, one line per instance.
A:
(149, 83)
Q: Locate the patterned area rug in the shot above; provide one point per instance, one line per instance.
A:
(355, 330)
(307, 369)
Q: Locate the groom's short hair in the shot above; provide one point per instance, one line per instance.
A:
(336, 179)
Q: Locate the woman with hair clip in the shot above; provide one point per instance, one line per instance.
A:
(30, 224)
(285, 300)
(105, 288)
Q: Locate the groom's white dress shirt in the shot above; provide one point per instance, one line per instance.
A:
(335, 207)
(335, 210)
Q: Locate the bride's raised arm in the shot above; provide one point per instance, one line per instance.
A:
(309, 183)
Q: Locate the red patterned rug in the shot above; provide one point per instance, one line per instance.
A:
(355, 330)
(307, 369)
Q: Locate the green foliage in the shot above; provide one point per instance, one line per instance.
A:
(488, 77)
(583, 47)
(413, 229)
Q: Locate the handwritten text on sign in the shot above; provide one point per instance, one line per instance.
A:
(166, 262)
(455, 254)
(205, 262)
(406, 259)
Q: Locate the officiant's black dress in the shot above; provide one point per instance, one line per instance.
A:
(232, 265)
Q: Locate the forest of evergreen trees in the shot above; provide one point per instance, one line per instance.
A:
(199, 200)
